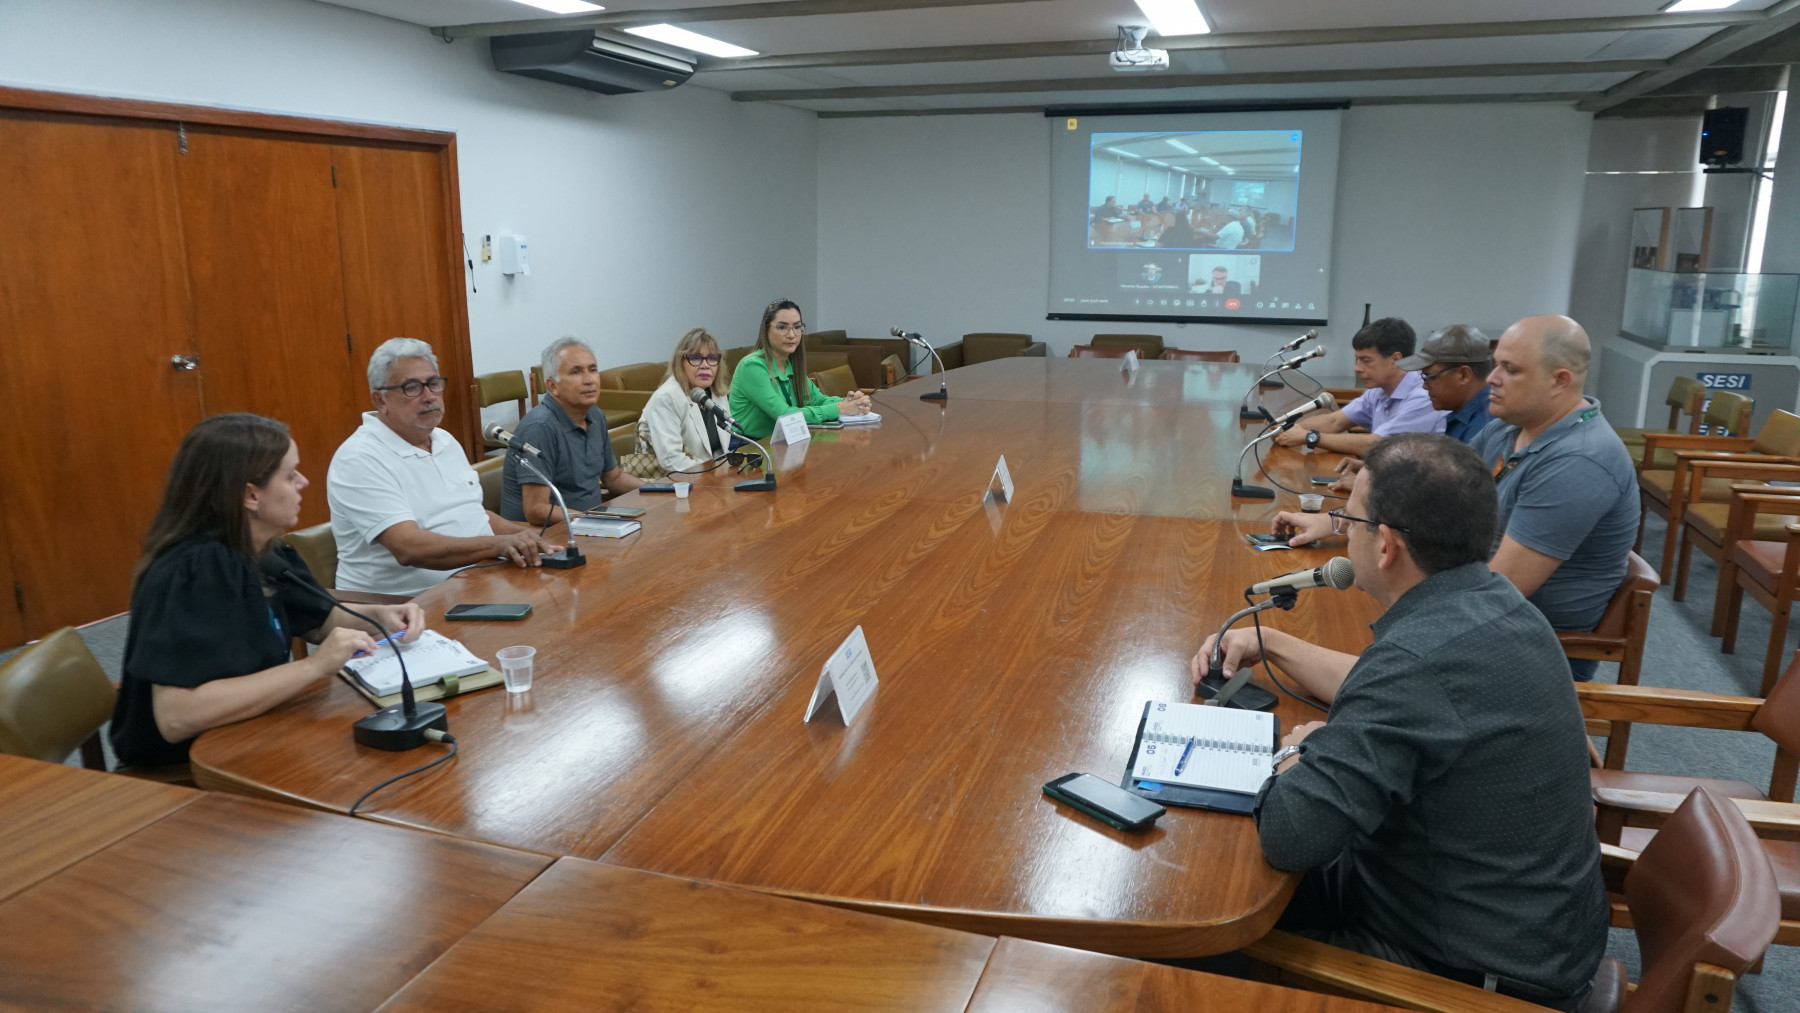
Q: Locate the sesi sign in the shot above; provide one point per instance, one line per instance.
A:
(1724, 381)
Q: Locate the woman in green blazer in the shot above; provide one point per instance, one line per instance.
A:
(772, 381)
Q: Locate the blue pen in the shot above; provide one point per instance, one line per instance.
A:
(392, 638)
(1184, 755)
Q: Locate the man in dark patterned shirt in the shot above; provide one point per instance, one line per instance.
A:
(1442, 812)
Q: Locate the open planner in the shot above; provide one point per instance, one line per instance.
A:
(436, 664)
(1202, 757)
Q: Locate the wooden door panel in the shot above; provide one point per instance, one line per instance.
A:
(402, 275)
(262, 241)
(93, 303)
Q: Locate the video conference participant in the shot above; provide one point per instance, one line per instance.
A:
(208, 643)
(1442, 812)
(1231, 234)
(684, 436)
(405, 505)
(569, 430)
(772, 381)
(1179, 235)
(1221, 284)
(1453, 365)
(1146, 205)
(1395, 402)
(1110, 209)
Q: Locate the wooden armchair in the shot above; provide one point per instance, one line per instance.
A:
(1701, 899)
(1665, 492)
(317, 547)
(1706, 524)
(1687, 396)
(494, 388)
(838, 381)
(1766, 563)
(1098, 352)
(1630, 804)
(1619, 637)
(1149, 346)
(1185, 355)
(986, 346)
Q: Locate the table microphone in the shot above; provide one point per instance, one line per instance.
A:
(1244, 409)
(1284, 592)
(703, 397)
(1297, 342)
(1276, 425)
(570, 557)
(397, 728)
(943, 391)
(1337, 574)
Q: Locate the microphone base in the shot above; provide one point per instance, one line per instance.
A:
(1250, 414)
(1248, 697)
(756, 485)
(1241, 491)
(1273, 384)
(567, 559)
(390, 728)
(936, 395)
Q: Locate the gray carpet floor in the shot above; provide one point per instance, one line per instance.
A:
(1681, 653)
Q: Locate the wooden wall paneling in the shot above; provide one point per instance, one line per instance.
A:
(403, 270)
(262, 240)
(94, 302)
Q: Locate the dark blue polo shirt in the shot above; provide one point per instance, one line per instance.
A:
(1467, 422)
(573, 457)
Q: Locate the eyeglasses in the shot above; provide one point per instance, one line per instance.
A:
(702, 360)
(1428, 377)
(413, 388)
(1341, 521)
(779, 327)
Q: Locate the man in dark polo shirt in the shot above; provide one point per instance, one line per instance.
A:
(570, 430)
(1453, 365)
(1442, 812)
(1568, 492)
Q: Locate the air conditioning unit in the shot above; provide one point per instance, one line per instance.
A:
(587, 60)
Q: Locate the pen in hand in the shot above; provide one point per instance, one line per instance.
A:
(392, 638)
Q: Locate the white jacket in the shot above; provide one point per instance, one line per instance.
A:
(677, 428)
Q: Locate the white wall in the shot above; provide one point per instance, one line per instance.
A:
(1445, 214)
(646, 214)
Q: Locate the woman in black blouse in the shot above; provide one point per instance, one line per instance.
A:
(209, 636)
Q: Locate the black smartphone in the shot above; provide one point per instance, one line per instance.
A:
(1267, 539)
(1322, 479)
(496, 612)
(657, 487)
(1104, 801)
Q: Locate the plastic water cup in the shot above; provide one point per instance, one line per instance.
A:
(515, 667)
(681, 489)
(1311, 502)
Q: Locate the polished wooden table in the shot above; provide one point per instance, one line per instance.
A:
(226, 903)
(1015, 642)
(52, 817)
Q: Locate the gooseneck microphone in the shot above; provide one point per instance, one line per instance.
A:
(1301, 340)
(570, 557)
(395, 729)
(943, 391)
(703, 397)
(1284, 592)
(1323, 402)
(1244, 409)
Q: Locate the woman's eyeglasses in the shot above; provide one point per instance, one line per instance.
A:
(780, 327)
(702, 360)
(413, 388)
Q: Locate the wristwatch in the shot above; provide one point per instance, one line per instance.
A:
(1312, 437)
(1282, 754)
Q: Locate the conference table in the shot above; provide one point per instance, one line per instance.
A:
(1014, 641)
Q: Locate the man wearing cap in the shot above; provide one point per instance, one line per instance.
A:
(1453, 366)
(1396, 402)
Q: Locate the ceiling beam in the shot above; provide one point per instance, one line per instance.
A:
(1235, 40)
(1776, 19)
(1534, 96)
(1145, 82)
(690, 15)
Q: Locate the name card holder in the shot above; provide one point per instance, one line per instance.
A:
(1129, 364)
(848, 677)
(1003, 479)
(791, 429)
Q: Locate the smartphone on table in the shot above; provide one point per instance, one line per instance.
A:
(496, 612)
(1322, 479)
(1104, 801)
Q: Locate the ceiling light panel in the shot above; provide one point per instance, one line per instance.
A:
(1178, 146)
(1689, 6)
(1178, 17)
(562, 6)
(691, 41)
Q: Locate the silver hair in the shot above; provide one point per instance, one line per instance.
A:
(553, 355)
(381, 364)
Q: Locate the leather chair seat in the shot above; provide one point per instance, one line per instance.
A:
(644, 376)
(1660, 484)
(1784, 856)
(1709, 519)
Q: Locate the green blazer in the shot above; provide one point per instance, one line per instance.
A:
(757, 399)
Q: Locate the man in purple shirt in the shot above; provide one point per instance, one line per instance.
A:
(1396, 402)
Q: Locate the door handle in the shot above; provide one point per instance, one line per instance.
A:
(185, 362)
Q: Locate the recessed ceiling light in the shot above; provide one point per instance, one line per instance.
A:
(1686, 6)
(1209, 160)
(1153, 161)
(1176, 17)
(1178, 146)
(692, 41)
(562, 6)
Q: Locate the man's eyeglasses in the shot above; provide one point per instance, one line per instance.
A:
(702, 360)
(1425, 377)
(413, 388)
(1341, 521)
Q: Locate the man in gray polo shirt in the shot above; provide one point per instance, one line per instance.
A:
(1568, 492)
(570, 429)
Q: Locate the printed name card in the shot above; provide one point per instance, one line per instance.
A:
(1003, 479)
(848, 677)
(1129, 364)
(791, 428)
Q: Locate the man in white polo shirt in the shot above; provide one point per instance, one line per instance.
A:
(405, 504)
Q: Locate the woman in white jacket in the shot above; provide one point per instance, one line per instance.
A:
(677, 428)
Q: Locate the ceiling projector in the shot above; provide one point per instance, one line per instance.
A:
(1130, 56)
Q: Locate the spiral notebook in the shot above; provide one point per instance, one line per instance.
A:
(1202, 757)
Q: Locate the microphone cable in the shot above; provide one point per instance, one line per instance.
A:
(1256, 620)
(430, 733)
